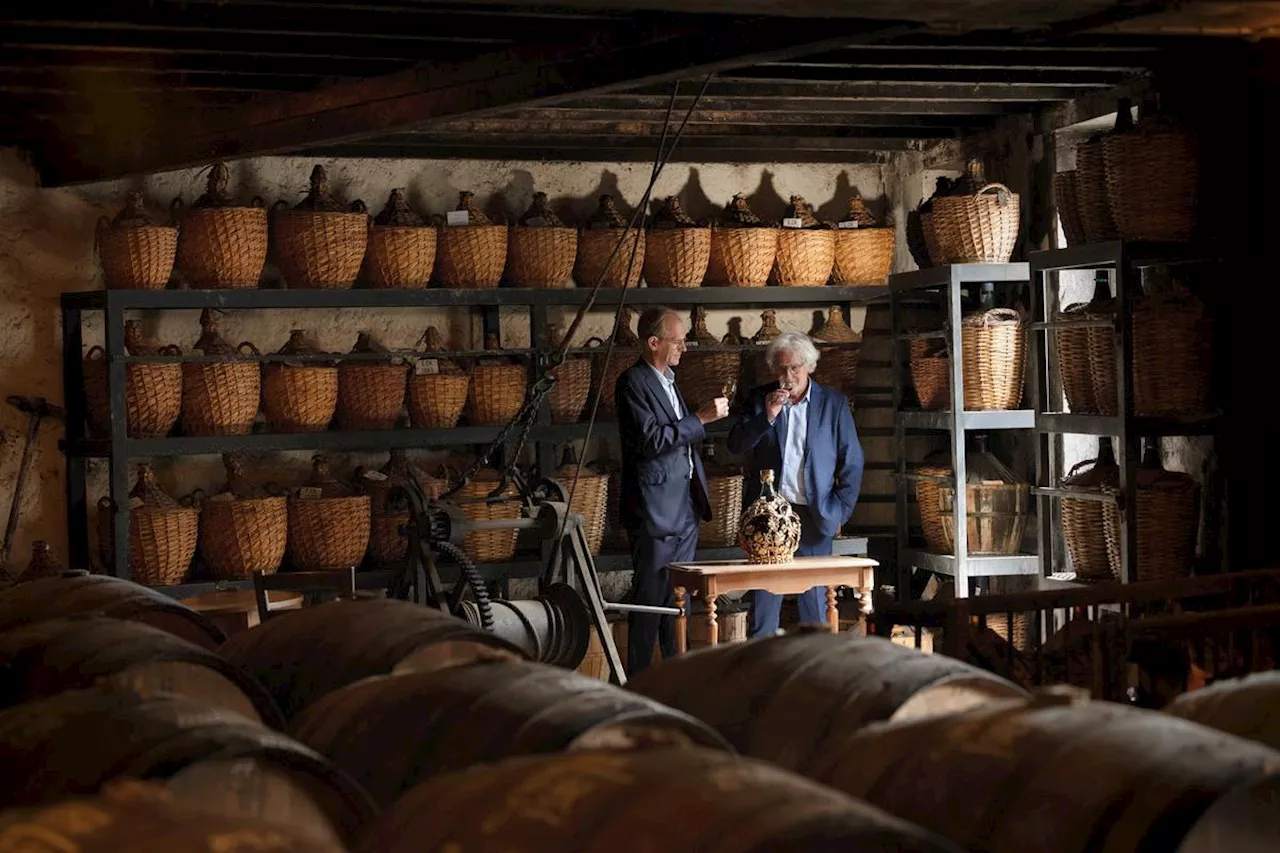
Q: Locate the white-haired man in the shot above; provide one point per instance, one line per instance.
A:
(804, 432)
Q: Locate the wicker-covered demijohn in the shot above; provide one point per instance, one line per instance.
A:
(1096, 223)
(626, 349)
(568, 397)
(930, 374)
(153, 392)
(1172, 358)
(1168, 507)
(677, 249)
(757, 369)
(995, 359)
(543, 249)
(242, 528)
(709, 367)
(371, 392)
(498, 386)
(43, 564)
(770, 528)
(928, 486)
(725, 487)
(388, 537)
(136, 253)
(328, 523)
(922, 234)
(743, 247)
(162, 532)
(1153, 180)
(471, 255)
(223, 244)
(977, 223)
(1086, 354)
(1084, 520)
(437, 387)
(838, 363)
(219, 397)
(299, 396)
(864, 247)
(590, 498)
(607, 236)
(489, 546)
(807, 251)
(997, 506)
(402, 247)
(320, 244)
(1066, 200)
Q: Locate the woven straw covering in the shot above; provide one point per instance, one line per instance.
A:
(1022, 627)
(498, 391)
(219, 398)
(490, 546)
(805, 258)
(676, 257)
(863, 255)
(1171, 356)
(370, 393)
(741, 257)
(1066, 200)
(1168, 519)
(318, 245)
(542, 257)
(222, 244)
(1153, 180)
(436, 399)
(770, 529)
(1073, 361)
(933, 246)
(929, 501)
(724, 491)
(1083, 521)
(153, 392)
(242, 530)
(837, 368)
(329, 530)
(594, 248)
(980, 226)
(922, 236)
(930, 375)
(995, 359)
(388, 536)
(568, 397)
(590, 498)
(1091, 192)
(299, 397)
(402, 248)
(472, 255)
(758, 370)
(707, 368)
(162, 534)
(136, 254)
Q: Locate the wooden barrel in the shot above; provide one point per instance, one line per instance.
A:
(1093, 776)
(303, 655)
(66, 654)
(636, 802)
(786, 699)
(73, 593)
(72, 743)
(1247, 707)
(143, 818)
(433, 723)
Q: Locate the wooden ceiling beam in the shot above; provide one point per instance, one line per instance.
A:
(765, 104)
(744, 87)
(745, 118)
(514, 127)
(591, 152)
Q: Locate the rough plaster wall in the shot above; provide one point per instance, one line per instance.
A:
(46, 248)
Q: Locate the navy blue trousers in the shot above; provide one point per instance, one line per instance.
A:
(651, 584)
(767, 607)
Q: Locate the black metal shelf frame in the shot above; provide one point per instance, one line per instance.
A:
(545, 436)
(959, 564)
(1124, 261)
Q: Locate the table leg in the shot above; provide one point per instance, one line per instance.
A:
(713, 627)
(833, 612)
(682, 622)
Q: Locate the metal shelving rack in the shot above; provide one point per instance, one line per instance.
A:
(545, 436)
(959, 564)
(1124, 261)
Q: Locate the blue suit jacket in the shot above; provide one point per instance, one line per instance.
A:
(655, 457)
(833, 459)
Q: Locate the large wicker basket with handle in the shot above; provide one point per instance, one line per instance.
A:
(725, 488)
(438, 388)
(979, 226)
(1084, 521)
(242, 529)
(489, 546)
(370, 392)
(807, 253)
(320, 244)
(299, 396)
(222, 244)
(402, 247)
(864, 247)
(543, 249)
(471, 255)
(162, 532)
(221, 397)
(677, 250)
(153, 392)
(1153, 180)
(599, 242)
(136, 253)
(328, 523)
(498, 387)
(995, 359)
(1168, 507)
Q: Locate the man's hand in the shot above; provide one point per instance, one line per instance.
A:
(774, 402)
(714, 411)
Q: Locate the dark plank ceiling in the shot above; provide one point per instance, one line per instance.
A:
(96, 90)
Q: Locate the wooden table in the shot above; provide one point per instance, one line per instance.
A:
(236, 610)
(710, 579)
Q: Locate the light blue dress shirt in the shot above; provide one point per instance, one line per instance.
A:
(673, 396)
(791, 483)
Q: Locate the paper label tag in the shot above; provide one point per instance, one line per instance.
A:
(457, 217)
(793, 222)
(848, 225)
(376, 476)
(222, 497)
(426, 366)
(309, 492)
(134, 503)
(536, 221)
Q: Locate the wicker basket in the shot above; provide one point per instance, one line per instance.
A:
(1091, 192)
(153, 392)
(328, 523)
(162, 533)
(1168, 518)
(1153, 180)
(930, 375)
(995, 359)
(1171, 356)
(1073, 362)
(981, 226)
(597, 244)
(837, 367)
(1083, 521)
(996, 517)
(741, 257)
(472, 255)
(299, 397)
(590, 499)
(676, 257)
(219, 398)
(805, 257)
(222, 244)
(724, 491)
(402, 248)
(319, 244)
(864, 247)
(568, 396)
(706, 369)
(757, 367)
(490, 546)
(933, 246)
(929, 501)
(136, 253)
(437, 388)
(388, 536)
(922, 237)
(370, 393)
(542, 251)
(1022, 628)
(242, 530)
(498, 388)
(620, 362)
(1066, 201)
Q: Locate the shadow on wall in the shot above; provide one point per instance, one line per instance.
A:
(766, 201)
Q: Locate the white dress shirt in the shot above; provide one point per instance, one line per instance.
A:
(791, 483)
(673, 396)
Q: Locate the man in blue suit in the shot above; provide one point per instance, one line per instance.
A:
(664, 488)
(804, 433)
